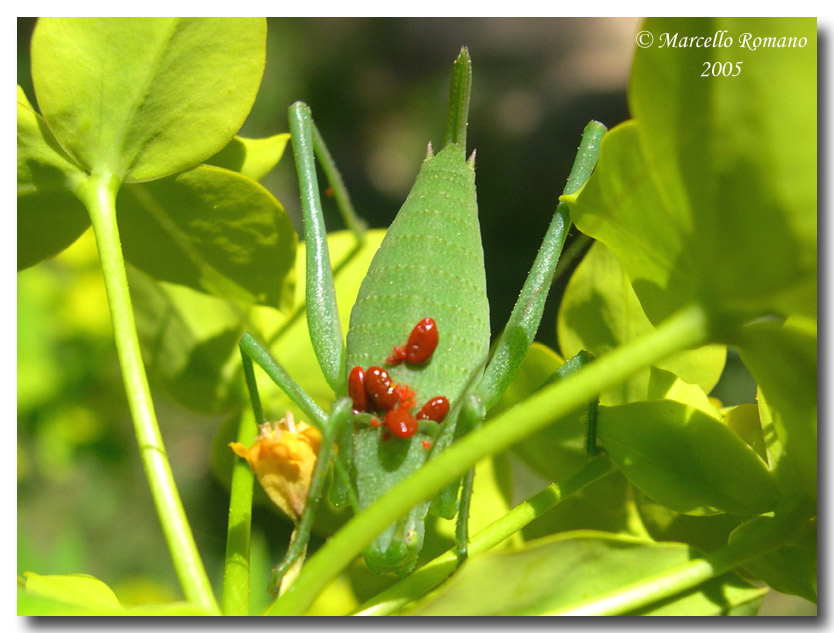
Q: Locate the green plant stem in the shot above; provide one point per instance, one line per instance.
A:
(235, 598)
(666, 584)
(98, 193)
(437, 570)
(686, 329)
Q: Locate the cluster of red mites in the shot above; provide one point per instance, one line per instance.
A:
(373, 390)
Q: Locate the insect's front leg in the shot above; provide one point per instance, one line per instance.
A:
(322, 312)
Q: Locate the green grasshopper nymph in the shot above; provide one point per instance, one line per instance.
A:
(416, 372)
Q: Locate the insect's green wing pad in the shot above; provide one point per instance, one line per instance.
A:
(430, 264)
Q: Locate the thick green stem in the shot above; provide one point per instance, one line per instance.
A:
(686, 329)
(235, 598)
(98, 193)
(433, 573)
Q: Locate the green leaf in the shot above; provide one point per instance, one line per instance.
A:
(72, 589)
(791, 568)
(664, 385)
(252, 157)
(558, 573)
(745, 422)
(600, 312)
(142, 98)
(189, 343)
(707, 533)
(710, 194)
(213, 230)
(685, 459)
(783, 360)
(49, 217)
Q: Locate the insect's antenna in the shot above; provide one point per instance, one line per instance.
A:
(458, 113)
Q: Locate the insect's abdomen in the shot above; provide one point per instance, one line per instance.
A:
(430, 264)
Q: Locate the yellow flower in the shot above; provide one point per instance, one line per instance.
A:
(282, 458)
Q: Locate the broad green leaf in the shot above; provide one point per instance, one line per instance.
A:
(783, 360)
(685, 459)
(744, 156)
(22, 98)
(213, 230)
(707, 533)
(39, 605)
(143, 98)
(791, 568)
(72, 589)
(600, 312)
(745, 422)
(189, 342)
(252, 157)
(664, 385)
(709, 195)
(788, 474)
(49, 217)
(606, 504)
(558, 573)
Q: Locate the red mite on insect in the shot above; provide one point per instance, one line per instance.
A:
(381, 392)
(401, 422)
(356, 389)
(435, 409)
(421, 344)
(373, 390)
